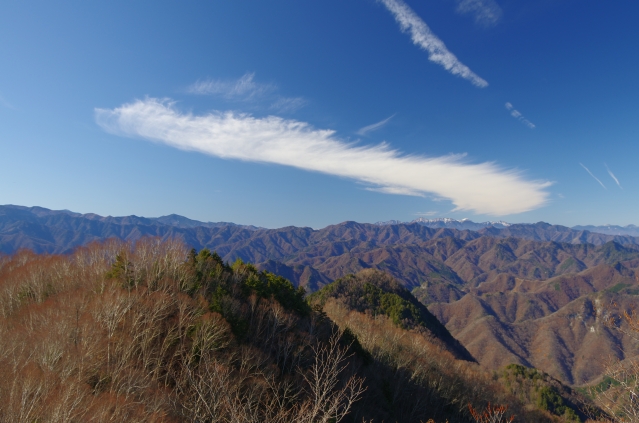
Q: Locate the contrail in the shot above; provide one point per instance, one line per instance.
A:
(612, 175)
(423, 37)
(374, 127)
(596, 179)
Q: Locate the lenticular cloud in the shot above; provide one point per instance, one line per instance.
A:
(483, 188)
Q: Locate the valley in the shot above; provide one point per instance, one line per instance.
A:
(539, 296)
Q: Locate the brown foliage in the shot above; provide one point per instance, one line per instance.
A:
(492, 414)
(116, 332)
(618, 393)
(425, 381)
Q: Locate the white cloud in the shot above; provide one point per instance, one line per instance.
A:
(482, 187)
(517, 115)
(244, 88)
(612, 175)
(422, 36)
(486, 12)
(596, 179)
(374, 127)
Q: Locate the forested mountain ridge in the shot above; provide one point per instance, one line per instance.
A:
(154, 332)
(510, 295)
(377, 293)
(60, 231)
(44, 230)
(507, 300)
(169, 220)
(628, 230)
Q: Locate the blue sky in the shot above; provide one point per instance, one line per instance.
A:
(278, 113)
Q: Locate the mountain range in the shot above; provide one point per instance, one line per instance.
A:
(629, 230)
(58, 231)
(446, 222)
(530, 294)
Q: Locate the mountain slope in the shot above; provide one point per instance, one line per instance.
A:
(629, 230)
(507, 294)
(375, 292)
(157, 333)
(558, 325)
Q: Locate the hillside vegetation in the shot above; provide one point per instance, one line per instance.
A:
(154, 332)
(522, 294)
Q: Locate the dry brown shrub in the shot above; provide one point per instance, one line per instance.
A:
(443, 381)
(619, 398)
(78, 345)
(491, 414)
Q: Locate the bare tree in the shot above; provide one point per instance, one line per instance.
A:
(327, 399)
(492, 414)
(619, 398)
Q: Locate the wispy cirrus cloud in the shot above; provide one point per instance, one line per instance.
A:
(483, 187)
(591, 174)
(287, 104)
(244, 88)
(247, 89)
(374, 127)
(422, 36)
(612, 175)
(486, 12)
(517, 115)
(426, 214)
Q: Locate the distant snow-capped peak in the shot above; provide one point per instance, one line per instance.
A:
(449, 222)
